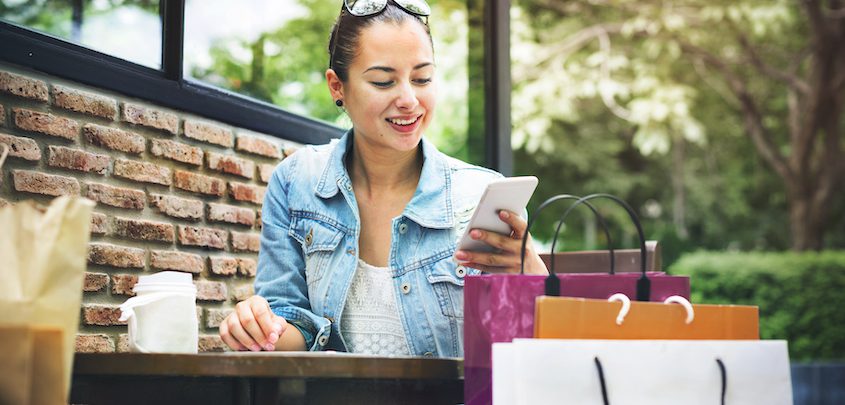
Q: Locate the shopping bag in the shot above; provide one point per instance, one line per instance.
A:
(499, 308)
(31, 365)
(42, 270)
(630, 372)
(578, 318)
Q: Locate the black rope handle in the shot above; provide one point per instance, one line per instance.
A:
(643, 284)
(724, 372)
(601, 380)
(545, 204)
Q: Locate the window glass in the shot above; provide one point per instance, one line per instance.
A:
(275, 51)
(127, 29)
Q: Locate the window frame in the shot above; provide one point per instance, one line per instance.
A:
(168, 87)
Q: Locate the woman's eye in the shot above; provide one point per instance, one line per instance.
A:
(382, 84)
(423, 81)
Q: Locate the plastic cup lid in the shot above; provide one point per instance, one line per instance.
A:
(166, 278)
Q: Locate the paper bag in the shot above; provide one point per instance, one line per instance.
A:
(42, 268)
(630, 372)
(31, 365)
(577, 318)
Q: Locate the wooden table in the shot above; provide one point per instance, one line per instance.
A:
(264, 378)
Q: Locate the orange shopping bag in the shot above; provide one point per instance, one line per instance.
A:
(579, 318)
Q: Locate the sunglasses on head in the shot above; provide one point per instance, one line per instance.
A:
(363, 8)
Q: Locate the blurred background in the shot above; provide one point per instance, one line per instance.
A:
(719, 121)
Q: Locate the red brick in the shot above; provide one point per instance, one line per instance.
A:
(211, 343)
(224, 266)
(258, 219)
(210, 290)
(21, 147)
(23, 86)
(95, 282)
(142, 172)
(265, 171)
(152, 118)
(246, 192)
(179, 152)
(258, 146)
(47, 184)
(231, 165)
(76, 159)
(99, 224)
(207, 132)
(213, 317)
(176, 207)
(247, 267)
(198, 183)
(289, 150)
(179, 261)
(246, 242)
(114, 138)
(94, 343)
(205, 237)
(231, 214)
(117, 196)
(123, 343)
(243, 292)
(84, 102)
(101, 315)
(143, 230)
(46, 123)
(115, 256)
(123, 284)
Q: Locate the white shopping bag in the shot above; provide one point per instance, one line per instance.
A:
(654, 372)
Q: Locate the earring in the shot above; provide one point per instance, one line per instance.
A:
(338, 103)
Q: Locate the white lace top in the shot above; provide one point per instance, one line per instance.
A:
(370, 323)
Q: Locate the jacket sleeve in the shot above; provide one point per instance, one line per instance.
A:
(280, 276)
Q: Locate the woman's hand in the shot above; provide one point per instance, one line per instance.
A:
(507, 257)
(253, 326)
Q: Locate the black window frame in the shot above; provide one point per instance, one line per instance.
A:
(168, 87)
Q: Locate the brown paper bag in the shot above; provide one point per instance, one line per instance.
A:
(31, 365)
(42, 267)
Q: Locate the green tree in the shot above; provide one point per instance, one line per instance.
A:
(682, 78)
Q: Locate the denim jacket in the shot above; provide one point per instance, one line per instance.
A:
(309, 247)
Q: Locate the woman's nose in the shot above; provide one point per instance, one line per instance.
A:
(407, 97)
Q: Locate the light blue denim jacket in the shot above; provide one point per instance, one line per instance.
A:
(309, 247)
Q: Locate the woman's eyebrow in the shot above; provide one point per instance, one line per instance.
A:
(391, 70)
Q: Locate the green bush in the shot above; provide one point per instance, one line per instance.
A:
(801, 295)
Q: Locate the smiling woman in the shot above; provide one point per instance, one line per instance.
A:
(359, 236)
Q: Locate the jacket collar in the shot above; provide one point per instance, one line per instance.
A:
(431, 205)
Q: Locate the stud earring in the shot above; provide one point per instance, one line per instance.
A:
(338, 103)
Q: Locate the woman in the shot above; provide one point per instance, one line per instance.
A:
(358, 240)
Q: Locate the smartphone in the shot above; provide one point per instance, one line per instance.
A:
(512, 194)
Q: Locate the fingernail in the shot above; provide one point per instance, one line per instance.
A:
(504, 214)
(274, 337)
(460, 255)
(475, 234)
(269, 347)
(255, 348)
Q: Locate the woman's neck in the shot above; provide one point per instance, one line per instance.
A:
(375, 171)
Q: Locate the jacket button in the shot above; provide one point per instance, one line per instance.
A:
(348, 186)
(461, 271)
(350, 252)
(406, 287)
(323, 340)
(309, 237)
(403, 227)
(428, 354)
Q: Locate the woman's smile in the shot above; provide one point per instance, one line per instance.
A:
(405, 124)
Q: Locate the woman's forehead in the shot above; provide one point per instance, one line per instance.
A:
(389, 43)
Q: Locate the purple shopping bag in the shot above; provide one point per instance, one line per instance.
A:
(500, 307)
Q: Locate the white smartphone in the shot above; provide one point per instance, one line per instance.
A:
(512, 194)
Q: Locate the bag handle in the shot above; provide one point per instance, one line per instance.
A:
(722, 371)
(643, 283)
(545, 204)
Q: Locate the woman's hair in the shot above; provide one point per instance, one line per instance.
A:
(346, 35)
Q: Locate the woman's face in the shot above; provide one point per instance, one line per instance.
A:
(390, 92)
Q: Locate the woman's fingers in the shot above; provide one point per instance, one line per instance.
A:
(271, 328)
(227, 337)
(516, 222)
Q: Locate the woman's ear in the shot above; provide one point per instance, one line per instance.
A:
(335, 85)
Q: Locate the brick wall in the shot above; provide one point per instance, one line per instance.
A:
(173, 191)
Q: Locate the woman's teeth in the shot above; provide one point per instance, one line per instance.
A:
(403, 122)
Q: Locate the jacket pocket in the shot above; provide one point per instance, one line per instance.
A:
(448, 287)
(320, 239)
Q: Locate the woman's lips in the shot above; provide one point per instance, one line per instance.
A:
(405, 128)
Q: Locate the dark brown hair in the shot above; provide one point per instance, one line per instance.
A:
(347, 33)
